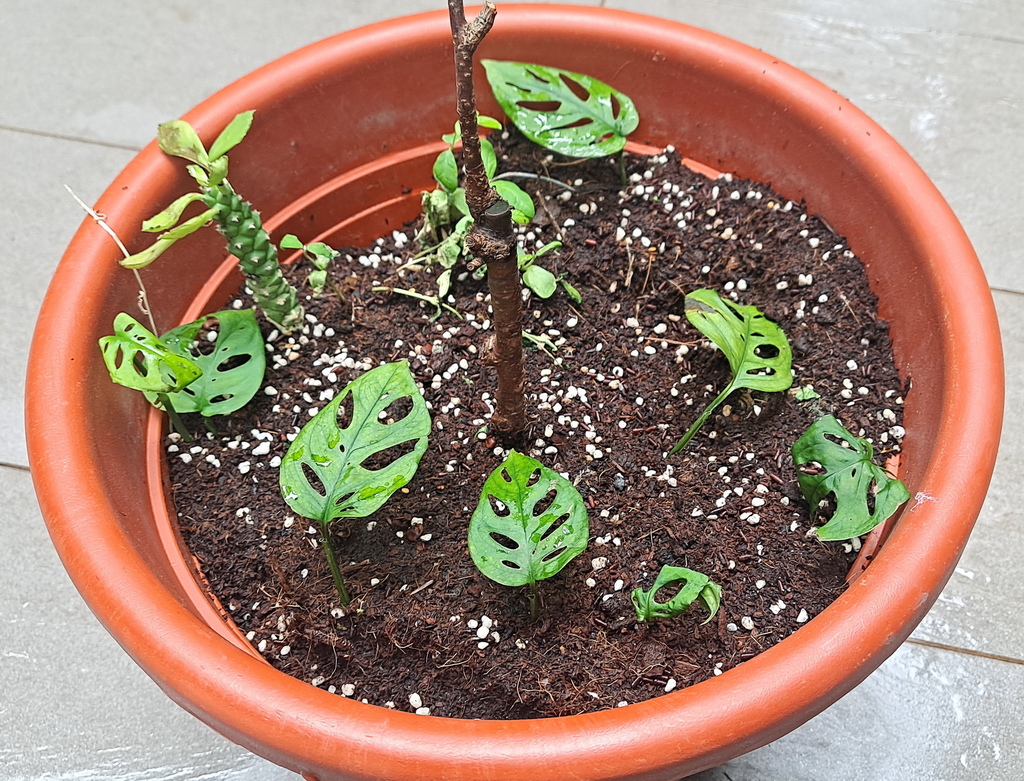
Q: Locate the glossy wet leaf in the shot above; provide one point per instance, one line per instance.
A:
(756, 348)
(232, 135)
(545, 103)
(864, 493)
(136, 359)
(344, 487)
(232, 372)
(692, 587)
(529, 524)
(758, 352)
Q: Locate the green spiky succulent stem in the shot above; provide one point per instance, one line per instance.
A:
(257, 256)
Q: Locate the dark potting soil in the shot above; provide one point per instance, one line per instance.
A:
(624, 377)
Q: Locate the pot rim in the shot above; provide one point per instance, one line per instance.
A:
(308, 729)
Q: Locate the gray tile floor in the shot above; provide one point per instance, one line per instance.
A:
(85, 84)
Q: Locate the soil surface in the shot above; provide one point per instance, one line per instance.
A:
(624, 376)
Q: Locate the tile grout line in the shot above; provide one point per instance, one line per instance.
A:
(19, 467)
(75, 139)
(966, 651)
(1006, 290)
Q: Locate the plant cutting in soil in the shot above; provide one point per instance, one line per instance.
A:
(623, 376)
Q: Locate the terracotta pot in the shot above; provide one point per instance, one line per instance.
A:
(345, 129)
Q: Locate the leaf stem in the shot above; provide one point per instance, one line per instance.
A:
(703, 417)
(532, 596)
(332, 561)
(176, 421)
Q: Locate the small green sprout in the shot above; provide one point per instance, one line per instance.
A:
(137, 359)
(758, 352)
(446, 206)
(530, 522)
(323, 474)
(541, 342)
(433, 300)
(446, 218)
(240, 224)
(806, 393)
(232, 371)
(831, 461)
(317, 253)
(541, 281)
(693, 586)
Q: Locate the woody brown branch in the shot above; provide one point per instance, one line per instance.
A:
(491, 240)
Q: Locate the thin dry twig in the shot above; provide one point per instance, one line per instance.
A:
(101, 220)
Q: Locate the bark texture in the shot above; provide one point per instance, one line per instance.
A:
(491, 241)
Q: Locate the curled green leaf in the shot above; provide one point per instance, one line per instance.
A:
(864, 494)
(148, 255)
(179, 138)
(530, 522)
(693, 587)
(566, 112)
(758, 352)
(169, 217)
(190, 226)
(137, 359)
(232, 371)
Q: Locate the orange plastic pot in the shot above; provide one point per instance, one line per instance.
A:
(345, 131)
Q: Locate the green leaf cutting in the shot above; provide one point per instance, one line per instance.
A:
(566, 112)
(323, 476)
(864, 493)
(231, 373)
(693, 586)
(530, 522)
(758, 352)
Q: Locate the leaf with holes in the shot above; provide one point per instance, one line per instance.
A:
(232, 371)
(323, 474)
(570, 113)
(137, 359)
(693, 586)
(529, 524)
(757, 350)
(864, 493)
